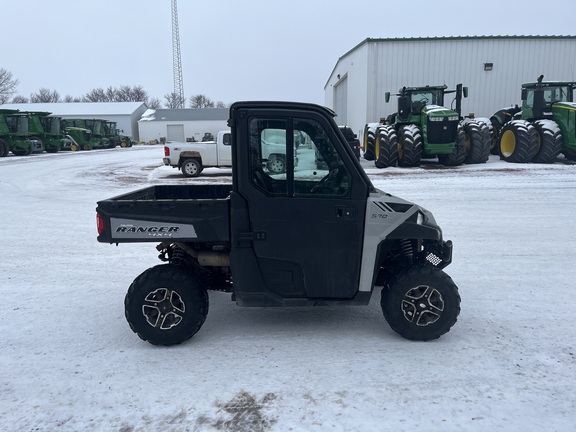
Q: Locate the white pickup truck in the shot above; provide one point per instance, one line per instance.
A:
(192, 157)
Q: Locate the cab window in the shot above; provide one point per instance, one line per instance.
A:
(296, 157)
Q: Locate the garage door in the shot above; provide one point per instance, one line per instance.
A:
(175, 133)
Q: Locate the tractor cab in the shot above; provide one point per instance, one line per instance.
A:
(539, 97)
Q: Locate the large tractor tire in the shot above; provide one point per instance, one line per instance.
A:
(421, 304)
(388, 147)
(478, 141)
(166, 305)
(369, 143)
(569, 154)
(458, 155)
(518, 142)
(409, 146)
(549, 141)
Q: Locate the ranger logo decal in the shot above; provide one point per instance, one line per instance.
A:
(136, 229)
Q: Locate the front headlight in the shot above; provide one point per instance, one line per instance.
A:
(436, 119)
(453, 118)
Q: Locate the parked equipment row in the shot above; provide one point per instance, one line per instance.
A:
(26, 132)
(538, 131)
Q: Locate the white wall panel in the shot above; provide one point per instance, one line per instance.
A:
(376, 66)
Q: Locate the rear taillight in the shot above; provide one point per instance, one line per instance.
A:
(100, 223)
(166, 151)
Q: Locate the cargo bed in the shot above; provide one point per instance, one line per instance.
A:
(183, 213)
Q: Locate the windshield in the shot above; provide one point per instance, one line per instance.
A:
(551, 95)
(429, 97)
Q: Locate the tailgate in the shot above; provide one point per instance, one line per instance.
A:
(184, 213)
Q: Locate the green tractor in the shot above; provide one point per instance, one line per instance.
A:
(113, 134)
(97, 137)
(423, 128)
(15, 134)
(80, 138)
(49, 129)
(542, 128)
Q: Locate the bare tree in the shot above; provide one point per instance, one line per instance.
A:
(45, 95)
(201, 101)
(138, 94)
(174, 101)
(20, 99)
(71, 99)
(8, 85)
(124, 93)
(154, 103)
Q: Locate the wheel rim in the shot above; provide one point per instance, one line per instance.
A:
(191, 168)
(508, 143)
(276, 166)
(377, 147)
(163, 309)
(468, 144)
(422, 305)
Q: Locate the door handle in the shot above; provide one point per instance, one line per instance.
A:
(345, 212)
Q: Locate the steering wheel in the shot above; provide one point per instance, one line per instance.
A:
(329, 181)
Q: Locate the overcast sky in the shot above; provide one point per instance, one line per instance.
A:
(235, 49)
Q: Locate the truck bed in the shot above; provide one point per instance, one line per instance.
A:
(182, 213)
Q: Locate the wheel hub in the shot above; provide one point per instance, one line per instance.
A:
(163, 308)
(422, 305)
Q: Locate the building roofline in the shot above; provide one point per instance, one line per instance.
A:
(440, 38)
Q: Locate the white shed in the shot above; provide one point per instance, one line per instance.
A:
(182, 124)
(125, 114)
(492, 67)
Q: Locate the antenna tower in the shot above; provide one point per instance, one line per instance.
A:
(176, 59)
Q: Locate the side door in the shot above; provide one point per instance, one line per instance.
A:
(307, 222)
(224, 149)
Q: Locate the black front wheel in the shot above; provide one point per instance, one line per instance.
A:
(166, 305)
(421, 304)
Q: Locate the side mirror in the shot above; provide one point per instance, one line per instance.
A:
(524, 94)
(387, 97)
(465, 91)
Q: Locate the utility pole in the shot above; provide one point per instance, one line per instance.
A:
(176, 59)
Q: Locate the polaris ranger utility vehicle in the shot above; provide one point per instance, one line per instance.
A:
(306, 237)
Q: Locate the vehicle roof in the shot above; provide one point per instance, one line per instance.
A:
(281, 105)
(550, 84)
(441, 87)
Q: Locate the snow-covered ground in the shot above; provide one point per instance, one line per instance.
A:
(69, 361)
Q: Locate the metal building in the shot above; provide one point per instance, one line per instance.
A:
(492, 67)
(184, 124)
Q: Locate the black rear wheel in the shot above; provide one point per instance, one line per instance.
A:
(549, 141)
(478, 142)
(191, 168)
(421, 304)
(409, 146)
(369, 143)
(166, 305)
(388, 147)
